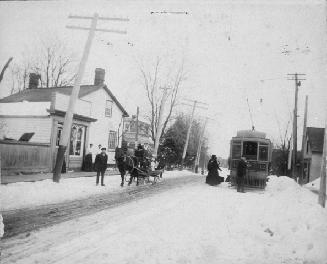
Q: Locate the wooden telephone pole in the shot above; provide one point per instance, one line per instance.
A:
(295, 77)
(198, 152)
(322, 189)
(195, 105)
(304, 140)
(64, 140)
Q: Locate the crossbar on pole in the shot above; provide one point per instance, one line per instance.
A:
(198, 102)
(100, 18)
(102, 30)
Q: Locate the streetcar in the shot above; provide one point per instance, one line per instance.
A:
(257, 149)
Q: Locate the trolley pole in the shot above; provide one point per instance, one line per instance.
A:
(295, 77)
(74, 95)
(303, 139)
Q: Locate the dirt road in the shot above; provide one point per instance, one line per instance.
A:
(22, 222)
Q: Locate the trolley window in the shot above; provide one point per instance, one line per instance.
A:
(250, 150)
(236, 150)
(263, 153)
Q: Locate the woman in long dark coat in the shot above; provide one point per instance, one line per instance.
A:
(213, 175)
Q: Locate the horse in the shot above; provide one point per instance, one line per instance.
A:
(131, 164)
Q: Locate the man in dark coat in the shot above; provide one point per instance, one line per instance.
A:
(241, 172)
(101, 165)
(213, 176)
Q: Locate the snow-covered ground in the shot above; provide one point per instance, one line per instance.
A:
(193, 224)
(27, 194)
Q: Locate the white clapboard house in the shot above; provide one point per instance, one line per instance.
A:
(36, 115)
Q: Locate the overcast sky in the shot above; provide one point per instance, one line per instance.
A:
(232, 51)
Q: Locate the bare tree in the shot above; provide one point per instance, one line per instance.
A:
(155, 80)
(5, 68)
(51, 61)
(54, 65)
(19, 77)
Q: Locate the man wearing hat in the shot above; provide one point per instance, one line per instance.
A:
(101, 165)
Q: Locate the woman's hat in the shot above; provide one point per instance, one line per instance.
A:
(103, 148)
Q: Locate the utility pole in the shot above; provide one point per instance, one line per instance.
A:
(64, 140)
(195, 102)
(137, 127)
(295, 77)
(159, 125)
(303, 139)
(198, 152)
(322, 189)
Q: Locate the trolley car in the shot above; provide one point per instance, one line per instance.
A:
(257, 150)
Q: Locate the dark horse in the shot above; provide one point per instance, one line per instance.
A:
(126, 163)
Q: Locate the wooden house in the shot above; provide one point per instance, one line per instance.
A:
(314, 141)
(40, 113)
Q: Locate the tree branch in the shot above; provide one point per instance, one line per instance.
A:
(5, 68)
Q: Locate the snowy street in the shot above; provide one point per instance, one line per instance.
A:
(73, 198)
(194, 223)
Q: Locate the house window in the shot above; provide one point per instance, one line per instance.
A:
(112, 142)
(126, 127)
(108, 110)
(76, 140)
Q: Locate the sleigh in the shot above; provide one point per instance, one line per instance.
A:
(146, 176)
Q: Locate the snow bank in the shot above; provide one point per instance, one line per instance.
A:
(27, 194)
(303, 220)
(196, 224)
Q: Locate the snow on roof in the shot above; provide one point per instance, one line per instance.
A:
(25, 108)
(251, 133)
(44, 94)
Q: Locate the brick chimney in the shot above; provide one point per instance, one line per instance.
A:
(34, 80)
(99, 76)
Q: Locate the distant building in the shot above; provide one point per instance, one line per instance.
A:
(129, 133)
(39, 114)
(313, 152)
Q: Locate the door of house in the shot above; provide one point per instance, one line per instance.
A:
(76, 146)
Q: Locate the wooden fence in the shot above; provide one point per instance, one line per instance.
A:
(24, 157)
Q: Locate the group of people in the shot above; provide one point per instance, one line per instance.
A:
(214, 179)
(96, 159)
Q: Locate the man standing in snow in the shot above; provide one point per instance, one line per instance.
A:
(241, 172)
(101, 165)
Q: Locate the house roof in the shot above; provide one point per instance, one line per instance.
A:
(316, 138)
(44, 94)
